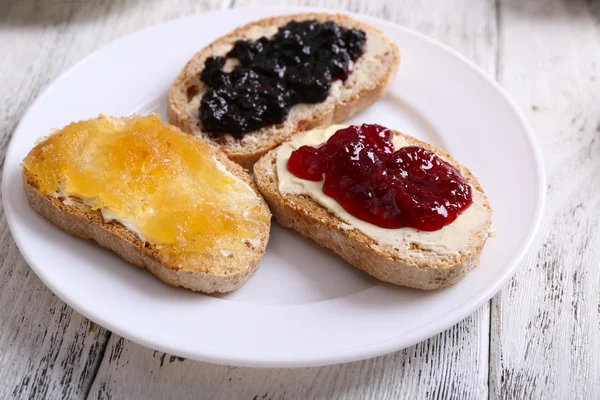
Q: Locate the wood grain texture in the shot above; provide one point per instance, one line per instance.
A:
(436, 369)
(546, 322)
(453, 364)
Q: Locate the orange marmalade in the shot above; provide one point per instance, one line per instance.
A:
(157, 181)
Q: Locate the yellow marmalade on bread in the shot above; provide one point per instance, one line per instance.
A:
(163, 184)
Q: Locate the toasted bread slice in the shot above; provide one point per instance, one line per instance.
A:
(373, 72)
(224, 274)
(416, 267)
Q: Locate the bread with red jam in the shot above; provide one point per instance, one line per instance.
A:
(365, 81)
(418, 264)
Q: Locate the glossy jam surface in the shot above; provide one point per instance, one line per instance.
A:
(297, 65)
(409, 187)
(160, 180)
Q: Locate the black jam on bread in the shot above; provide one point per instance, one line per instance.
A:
(297, 65)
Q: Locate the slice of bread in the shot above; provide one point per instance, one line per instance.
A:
(417, 267)
(224, 274)
(373, 72)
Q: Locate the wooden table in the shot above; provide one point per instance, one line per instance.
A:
(538, 338)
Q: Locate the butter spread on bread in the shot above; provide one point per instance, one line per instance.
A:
(404, 256)
(450, 239)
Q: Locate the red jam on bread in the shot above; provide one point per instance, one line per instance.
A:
(361, 169)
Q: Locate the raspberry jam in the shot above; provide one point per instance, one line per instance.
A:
(297, 65)
(409, 187)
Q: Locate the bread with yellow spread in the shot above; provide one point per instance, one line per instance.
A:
(201, 267)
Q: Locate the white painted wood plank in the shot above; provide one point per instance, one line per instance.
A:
(46, 349)
(546, 323)
(453, 364)
(437, 369)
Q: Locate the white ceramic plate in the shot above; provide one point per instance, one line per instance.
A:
(304, 306)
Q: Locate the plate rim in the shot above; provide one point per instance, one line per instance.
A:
(357, 353)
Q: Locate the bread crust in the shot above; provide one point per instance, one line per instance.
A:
(335, 109)
(80, 220)
(301, 213)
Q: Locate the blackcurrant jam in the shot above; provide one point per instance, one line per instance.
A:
(297, 65)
